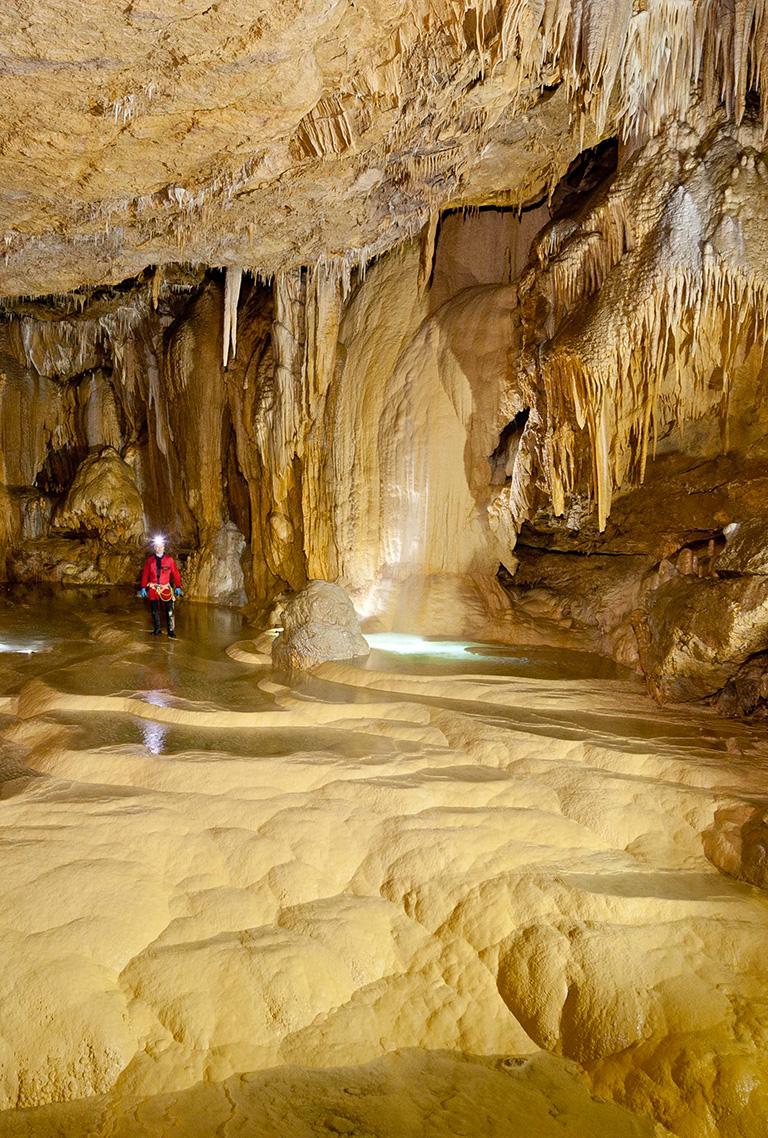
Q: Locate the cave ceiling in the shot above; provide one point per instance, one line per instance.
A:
(269, 135)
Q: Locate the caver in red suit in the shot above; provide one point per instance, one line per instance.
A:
(160, 580)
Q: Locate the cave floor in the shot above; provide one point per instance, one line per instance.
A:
(459, 889)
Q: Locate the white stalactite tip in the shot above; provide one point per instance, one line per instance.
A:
(232, 281)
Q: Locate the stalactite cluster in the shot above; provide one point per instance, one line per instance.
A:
(350, 156)
(632, 310)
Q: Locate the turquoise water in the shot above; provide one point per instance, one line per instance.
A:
(425, 655)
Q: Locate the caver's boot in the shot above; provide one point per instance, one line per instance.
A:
(171, 623)
(156, 629)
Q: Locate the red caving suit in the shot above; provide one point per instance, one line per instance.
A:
(169, 572)
(159, 576)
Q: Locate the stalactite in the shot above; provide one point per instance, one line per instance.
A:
(288, 340)
(232, 281)
(428, 241)
(637, 309)
(650, 58)
(157, 282)
(323, 315)
(614, 395)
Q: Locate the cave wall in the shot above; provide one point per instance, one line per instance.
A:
(111, 420)
(643, 331)
(543, 372)
(347, 438)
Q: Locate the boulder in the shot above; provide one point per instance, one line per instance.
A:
(319, 623)
(103, 500)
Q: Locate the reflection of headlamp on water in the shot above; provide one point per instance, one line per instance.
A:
(154, 737)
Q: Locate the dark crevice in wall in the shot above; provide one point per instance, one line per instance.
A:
(753, 105)
(588, 173)
(502, 459)
(59, 469)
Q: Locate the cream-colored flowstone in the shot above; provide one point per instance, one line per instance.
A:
(404, 877)
(404, 1095)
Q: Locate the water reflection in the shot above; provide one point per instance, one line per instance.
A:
(405, 644)
(153, 735)
(411, 654)
(22, 648)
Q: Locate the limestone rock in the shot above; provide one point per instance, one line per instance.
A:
(60, 560)
(103, 498)
(665, 587)
(746, 692)
(597, 595)
(36, 512)
(403, 1094)
(345, 160)
(409, 406)
(737, 843)
(700, 631)
(747, 548)
(59, 350)
(319, 624)
(99, 417)
(122, 165)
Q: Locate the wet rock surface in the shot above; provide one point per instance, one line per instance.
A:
(370, 898)
(700, 632)
(747, 549)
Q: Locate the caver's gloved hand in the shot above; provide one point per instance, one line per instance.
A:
(178, 592)
(143, 593)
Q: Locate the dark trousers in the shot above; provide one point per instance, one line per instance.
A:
(155, 607)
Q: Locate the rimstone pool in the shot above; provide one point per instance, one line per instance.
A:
(476, 881)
